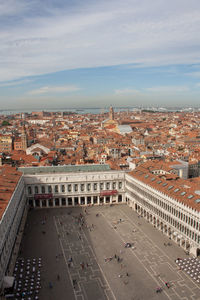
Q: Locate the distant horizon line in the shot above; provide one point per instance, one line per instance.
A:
(101, 108)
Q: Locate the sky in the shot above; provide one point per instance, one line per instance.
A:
(74, 53)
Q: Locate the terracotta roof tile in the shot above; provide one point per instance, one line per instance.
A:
(9, 178)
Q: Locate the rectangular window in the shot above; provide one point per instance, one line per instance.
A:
(114, 185)
(120, 185)
(107, 185)
(43, 189)
(82, 187)
(56, 189)
(49, 189)
(69, 187)
(63, 188)
(95, 186)
(101, 186)
(76, 187)
(88, 186)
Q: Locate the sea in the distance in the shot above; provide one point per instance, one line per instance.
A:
(97, 110)
(73, 110)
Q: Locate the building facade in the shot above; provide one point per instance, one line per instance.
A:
(178, 221)
(6, 143)
(9, 226)
(73, 189)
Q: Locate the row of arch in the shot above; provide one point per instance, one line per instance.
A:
(184, 217)
(165, 228)
(74, 201)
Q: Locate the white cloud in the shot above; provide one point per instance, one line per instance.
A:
(99, 34)
(13, 7)
(168, 89)
(54, 90)
(126, 92)
(154, 89)
(15, 82)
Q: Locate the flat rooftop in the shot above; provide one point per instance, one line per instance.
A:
(64, 169)
(148, 262)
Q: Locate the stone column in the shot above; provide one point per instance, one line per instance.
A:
(47, 203)
(73, 201)
(34, 203)
(163, 230)
(40, 203)
(98, 200)
(60, 201)
(123, 198)
(54, 202)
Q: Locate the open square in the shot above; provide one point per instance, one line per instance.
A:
(85, 247)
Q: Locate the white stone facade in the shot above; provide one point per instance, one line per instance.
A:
(9, 226)
(178, 221)
(75, 188)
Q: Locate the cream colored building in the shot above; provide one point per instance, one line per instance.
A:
(6, 143)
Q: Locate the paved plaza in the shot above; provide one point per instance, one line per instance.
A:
(84, 256)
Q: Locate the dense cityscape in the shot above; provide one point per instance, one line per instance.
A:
(124, 140)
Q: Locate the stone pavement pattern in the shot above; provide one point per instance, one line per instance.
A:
(90, 281)
(149, 265)
(158, 264)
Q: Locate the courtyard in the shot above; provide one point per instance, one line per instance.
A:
(84, 256)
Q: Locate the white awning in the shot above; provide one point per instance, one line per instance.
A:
(8, 281)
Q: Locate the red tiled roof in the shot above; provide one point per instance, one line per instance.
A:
(181, 190)
(9, 178)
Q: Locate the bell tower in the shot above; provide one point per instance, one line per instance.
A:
(111, 113)
(24, 138)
